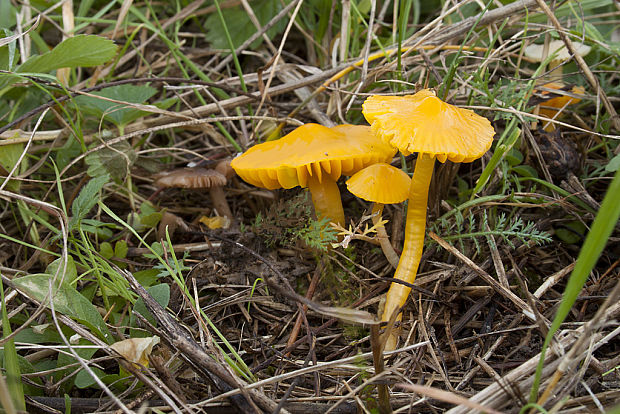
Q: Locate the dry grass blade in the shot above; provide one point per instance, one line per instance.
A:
(522, 377)
(176, 336)
(573, 356)
(8, 39)
(520, 303)
(583, 66)
(446, 396)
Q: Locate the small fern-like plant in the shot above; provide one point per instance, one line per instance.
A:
(502, 228)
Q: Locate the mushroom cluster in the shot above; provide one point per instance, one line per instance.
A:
(424, 124)
(315, 156)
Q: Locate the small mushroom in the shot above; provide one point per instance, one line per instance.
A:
(536, 53)
(381, 184)
(198, 178)
(551, 108)
(424, 124)
(313, 156)
(557, 48)
(224, 168)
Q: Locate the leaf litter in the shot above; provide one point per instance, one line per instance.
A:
(225, 302)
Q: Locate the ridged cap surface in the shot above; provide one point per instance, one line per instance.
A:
(311, 150)
(423, 123)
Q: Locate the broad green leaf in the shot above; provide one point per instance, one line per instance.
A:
(83, 379)
(114, 112)
(88, 197)
(81, 50)
(149, 216)
(121, 249)
(9, 156)
(151, 220)
(147, 277)
(572, 232)
(161, 294)
(68, 152)
(64, 359)
(514, 157)
(105, 250)
(35, 335)
(525, 171)
(7, 14)
(134, 220)
(57, 265)
(67, 300)
(240, 26)
(25, 367)
(115, 161)
(614, 164)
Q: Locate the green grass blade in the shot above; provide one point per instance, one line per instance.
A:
(11, 363)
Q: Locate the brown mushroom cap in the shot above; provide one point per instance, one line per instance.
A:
(380, 183)
(311, 150)
(425, 124)
(224, 168)
(190, 178)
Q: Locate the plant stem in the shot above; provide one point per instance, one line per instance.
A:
(386, 246)
(326, 198)
(415, 228)
(218, 197)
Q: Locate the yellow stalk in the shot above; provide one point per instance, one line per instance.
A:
(326, 198)
(415, 228)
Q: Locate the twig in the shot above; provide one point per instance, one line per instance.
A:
(377, 359)
(195, 354)
(581, 344)
(494, 395)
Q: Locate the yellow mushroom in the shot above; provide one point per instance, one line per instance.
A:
(424, 124)
(381, 184)
(551, 107)
(313, 156)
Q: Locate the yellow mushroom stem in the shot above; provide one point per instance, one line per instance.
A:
(415, 228)
(326, 198)
(386, 246)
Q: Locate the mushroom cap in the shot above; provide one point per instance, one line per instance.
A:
(189, 178)
(424, 123)
(535, 51)
(380, 183)
(559, 101)
(311, 150)
(224, 168)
